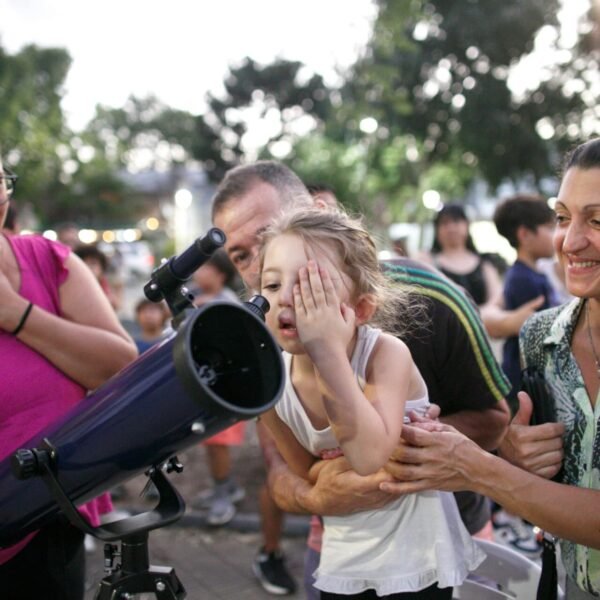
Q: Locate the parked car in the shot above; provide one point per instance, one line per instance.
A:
(132, 259)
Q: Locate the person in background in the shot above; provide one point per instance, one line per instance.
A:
(151, 318)
(246, 202)
(216, 280)
(454, 254)
(67, 233)
(323, 194)
(97, 262)
(527, 223)
(59, 338)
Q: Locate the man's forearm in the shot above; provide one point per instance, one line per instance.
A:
(486, 427)
(288, 489)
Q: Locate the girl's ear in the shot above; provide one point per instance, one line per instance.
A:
(364, 308)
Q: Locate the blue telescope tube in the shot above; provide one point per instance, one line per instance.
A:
(220, 367)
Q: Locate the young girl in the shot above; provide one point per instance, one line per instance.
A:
(348, 388)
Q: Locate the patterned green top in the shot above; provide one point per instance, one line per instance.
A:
(545, 343)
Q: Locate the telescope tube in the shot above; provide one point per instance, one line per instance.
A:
(221, 366)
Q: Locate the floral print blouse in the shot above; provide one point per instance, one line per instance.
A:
(545, 342)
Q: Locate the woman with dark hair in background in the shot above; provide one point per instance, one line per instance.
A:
(454, 254)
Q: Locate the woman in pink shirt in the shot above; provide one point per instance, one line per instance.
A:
(59, 338)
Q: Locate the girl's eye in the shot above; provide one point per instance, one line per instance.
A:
(561, 219)
(271, 287)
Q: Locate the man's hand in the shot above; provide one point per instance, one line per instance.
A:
(338, 490)
(537, 449)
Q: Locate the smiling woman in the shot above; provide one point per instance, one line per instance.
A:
(561, 343)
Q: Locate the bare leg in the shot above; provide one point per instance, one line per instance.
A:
(219, 461)
(271, 520)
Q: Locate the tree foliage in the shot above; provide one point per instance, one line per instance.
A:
(286, 100)
(440, 71)
(31, 118)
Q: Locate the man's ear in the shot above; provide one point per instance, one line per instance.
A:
(364, 308)
(320, 203)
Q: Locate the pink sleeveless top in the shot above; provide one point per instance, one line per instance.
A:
(33, 392)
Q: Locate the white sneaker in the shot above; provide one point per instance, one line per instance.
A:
(221, 511)
(205, 498)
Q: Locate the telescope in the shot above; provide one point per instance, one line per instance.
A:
(219, 366)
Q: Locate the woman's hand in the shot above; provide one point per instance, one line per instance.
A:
(323, 322)
(433, 456)
(538, 448)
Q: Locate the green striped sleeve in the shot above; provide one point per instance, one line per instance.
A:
(432, 285)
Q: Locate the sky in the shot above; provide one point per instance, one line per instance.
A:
(180, 49)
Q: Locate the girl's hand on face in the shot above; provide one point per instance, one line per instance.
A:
(322, 321)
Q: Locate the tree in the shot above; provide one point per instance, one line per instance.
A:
(31, 119)
(262, 107)
(440, 70)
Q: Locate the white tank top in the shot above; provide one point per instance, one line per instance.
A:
(408, 545)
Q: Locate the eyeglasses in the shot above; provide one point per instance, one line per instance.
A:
(10, 182)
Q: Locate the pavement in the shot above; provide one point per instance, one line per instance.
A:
(215, 564)
(210, 562)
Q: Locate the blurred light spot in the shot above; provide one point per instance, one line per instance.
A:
(87, 236)
(432, 199)
(183, 198)
(368, 125)
(152, 223)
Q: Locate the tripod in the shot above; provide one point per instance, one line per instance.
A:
(133, 574)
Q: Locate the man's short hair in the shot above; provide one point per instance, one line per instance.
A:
(239, 180)
(521, 210)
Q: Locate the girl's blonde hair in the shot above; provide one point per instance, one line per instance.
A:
(358, 254)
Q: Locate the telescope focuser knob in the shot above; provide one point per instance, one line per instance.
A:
(258, 305)
(24, 463)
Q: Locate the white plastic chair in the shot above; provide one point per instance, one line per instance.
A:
(504, 574)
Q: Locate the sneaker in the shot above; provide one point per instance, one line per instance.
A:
(205, 498)
(221, 511)
(516, 533)
(272, 574)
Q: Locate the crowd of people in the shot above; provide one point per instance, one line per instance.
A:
(393, 394)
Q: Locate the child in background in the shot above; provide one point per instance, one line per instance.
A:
(527, 222)
(348, 389)
(215, 280)
(151, 318)
(97, 262)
